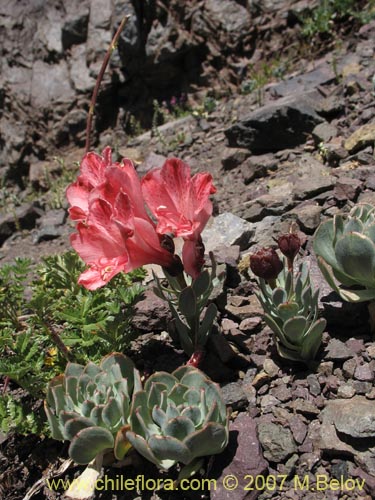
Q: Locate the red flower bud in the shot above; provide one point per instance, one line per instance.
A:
(266, 264)
(289, 245)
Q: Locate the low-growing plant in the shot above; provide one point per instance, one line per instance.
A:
(101, 409)
(21, 416)
(188, 304)
(288, 301)
(178, 417)
(56, 320)
(322, 19)
(345, 247)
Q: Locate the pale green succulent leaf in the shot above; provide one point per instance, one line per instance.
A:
(73, 370)
(56, 429)
(122, 444)
(370, 233)
(201, 284)
(96, 415)
(111, 414)
(172, 411)
(287, 310)
(294, 329)
(206, 324)
(209, 440)
(323, 242)
(278, 331)
(355, 255)
(71, 385)
(352, 225)
(159, 416)
(58, 394)
(64, 416)
(192, 397)
(91, 369)
(190, 469)
(86, 445)
(83, 381)
(187, 304)
(179, 427)
(194, 414)
(87, 407)
(121, 361)
(164, 378)
(155, 394)
(279, 296)
(177, 394)
(169, 448)
(313, 340)
(357, 295)
(74, 425)
(140, 444)
(194, 378)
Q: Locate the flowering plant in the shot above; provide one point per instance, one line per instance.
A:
(115, 232)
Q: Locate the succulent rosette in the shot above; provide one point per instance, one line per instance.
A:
(345, 248)
(178, 417)
(90, 406)
(291, 311)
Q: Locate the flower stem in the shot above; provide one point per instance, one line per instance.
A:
(107, 57)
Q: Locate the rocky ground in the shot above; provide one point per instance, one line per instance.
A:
(296, 150)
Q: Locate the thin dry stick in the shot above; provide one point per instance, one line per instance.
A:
(111, 48)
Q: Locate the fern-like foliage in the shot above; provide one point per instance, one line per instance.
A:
(46, 318)
(18, 415)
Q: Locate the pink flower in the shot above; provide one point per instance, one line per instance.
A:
(181, 206)
(92, 168)
(115, 232)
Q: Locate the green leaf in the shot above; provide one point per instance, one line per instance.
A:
(179, 427)
(111, 414)
(88, 443)
(169, 448)
(201, 284)
(140, 444)
(122, 444)
(206, 324)
(187, 303)
(74, 425)
(313, 340)
(294, 329)
(355, 255)
(210, 440)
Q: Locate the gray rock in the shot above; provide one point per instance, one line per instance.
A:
(356, 418)
(308, 216)
(298, 428)
(74, 30)
(233, 157)
(314, 386)
(50, 84)
(268, 229)
(79, 71)
(337, 350)
(234, 395)
(242, 458)
(280, 125)
(346, 391)
(277, 441)
(348, 426)
(151, 313)
(227, 229)
(305, 82)
(364, 372)
(347, 188)
(324, 132)
(24, 217)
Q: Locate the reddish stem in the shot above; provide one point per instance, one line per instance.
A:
(107, 57)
